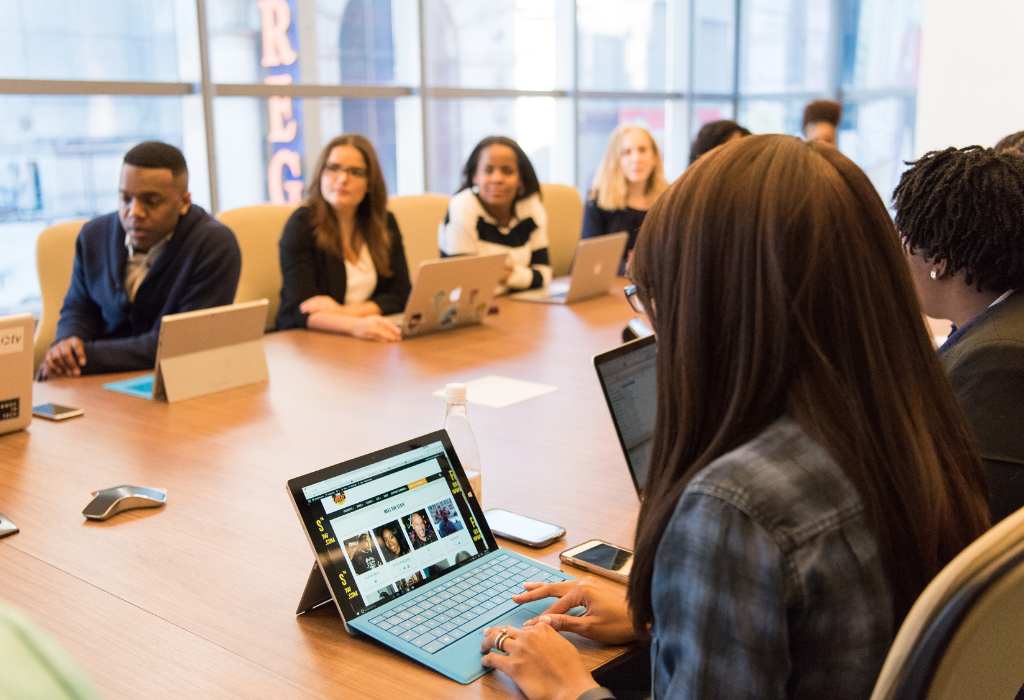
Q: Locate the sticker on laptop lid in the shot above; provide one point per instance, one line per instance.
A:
(12, 340)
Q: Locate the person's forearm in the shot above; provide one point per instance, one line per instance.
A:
(120, 354)
(521, 277)
(332, 323)
(367, 308)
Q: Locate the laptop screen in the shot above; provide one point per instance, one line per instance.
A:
(628, 375)
(387, 528)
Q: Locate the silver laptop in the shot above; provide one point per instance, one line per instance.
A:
(450, 293)
(594, 266)
(16, 348)
(629, 378)
(404, 552)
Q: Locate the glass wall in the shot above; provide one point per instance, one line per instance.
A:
(254, 99)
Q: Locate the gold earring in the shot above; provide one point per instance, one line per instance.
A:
(934, 276)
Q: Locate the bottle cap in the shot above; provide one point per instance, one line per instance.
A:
(455, 392)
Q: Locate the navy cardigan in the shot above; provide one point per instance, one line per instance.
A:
(307, 271)
(197, 269)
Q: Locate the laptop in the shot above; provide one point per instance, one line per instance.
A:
(450, 293)
(628, 376)
(404, 552)
(16, 349)
(204, 351)
(594, 266)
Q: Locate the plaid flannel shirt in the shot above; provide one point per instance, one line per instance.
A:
(768, 581)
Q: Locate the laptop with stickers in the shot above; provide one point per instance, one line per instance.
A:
(450, 293)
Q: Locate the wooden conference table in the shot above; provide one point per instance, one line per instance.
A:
(197, 599)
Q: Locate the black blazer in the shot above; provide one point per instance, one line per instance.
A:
(309, 271)
(986, 367)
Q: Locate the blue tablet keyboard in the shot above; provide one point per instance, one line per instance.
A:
(463, 604)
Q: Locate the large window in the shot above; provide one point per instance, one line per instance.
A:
(251, 90)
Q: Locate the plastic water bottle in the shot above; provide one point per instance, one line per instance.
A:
(456, 422)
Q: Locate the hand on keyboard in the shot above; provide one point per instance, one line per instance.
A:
(465, 603)
(607, 618)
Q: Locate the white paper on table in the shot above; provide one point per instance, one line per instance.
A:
(498, 392)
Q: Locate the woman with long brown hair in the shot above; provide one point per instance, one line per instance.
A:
(811, 471)
(342, 261)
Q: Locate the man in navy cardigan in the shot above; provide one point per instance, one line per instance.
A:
(158, 254)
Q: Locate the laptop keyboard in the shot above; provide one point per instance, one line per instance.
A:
(463, 604)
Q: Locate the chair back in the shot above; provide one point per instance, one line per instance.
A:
(565, 222)
(55, 261)
(961, 638)
(258, 230)
(419, 217)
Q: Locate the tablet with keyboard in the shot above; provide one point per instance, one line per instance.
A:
(405, 550)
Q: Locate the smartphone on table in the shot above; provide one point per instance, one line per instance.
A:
(601, 558)
(54, 411)
(519, 528)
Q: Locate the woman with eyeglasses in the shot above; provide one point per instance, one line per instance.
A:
(342, 261)
(498, 210)
(811, 471)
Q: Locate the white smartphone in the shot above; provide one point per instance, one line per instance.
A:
(53, 411)
(519, 528)
(600, 558)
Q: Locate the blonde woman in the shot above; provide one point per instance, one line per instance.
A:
(629, 181)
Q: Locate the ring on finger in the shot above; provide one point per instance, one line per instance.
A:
(500, 639)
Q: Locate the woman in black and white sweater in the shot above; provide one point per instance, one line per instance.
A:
(498, 210)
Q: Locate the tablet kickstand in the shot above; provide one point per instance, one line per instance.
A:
(316, 592)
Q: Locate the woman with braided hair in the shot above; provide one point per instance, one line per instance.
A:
(960, 213)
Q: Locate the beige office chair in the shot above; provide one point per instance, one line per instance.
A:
(962, 638)
(418, 217)
(258, 229)
(565, 222)
(55, 260)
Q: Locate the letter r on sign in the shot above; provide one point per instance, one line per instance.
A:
(275, 17)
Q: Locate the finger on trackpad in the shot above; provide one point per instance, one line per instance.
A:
(514, 619)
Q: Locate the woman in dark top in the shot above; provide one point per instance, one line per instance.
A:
(961, 216)
(629, 180)
(342, 260)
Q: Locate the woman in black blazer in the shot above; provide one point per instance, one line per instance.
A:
(342, 260)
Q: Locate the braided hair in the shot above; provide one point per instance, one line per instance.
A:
(966, 206)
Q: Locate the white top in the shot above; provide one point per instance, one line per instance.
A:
(360, 278)
(470, 230)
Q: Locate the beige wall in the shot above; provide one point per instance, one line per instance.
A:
(972, 61)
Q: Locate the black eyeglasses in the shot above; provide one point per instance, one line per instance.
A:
(634, 299)
(335, 170)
